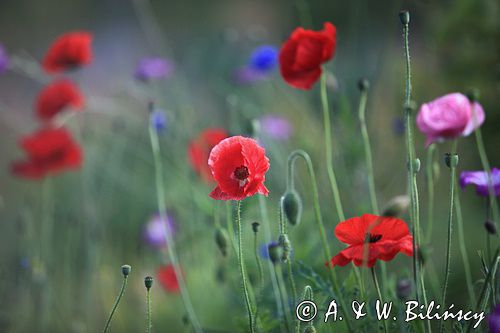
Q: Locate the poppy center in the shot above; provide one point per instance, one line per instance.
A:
(373, 238)
(241, 173)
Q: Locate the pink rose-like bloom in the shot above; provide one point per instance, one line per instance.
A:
(448, 117)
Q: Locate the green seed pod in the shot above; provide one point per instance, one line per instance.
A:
(222, 239)
(397, 206)
(275, 252)
(126, 270)
(148, 282)
(451, 160)
(285, 243)
(490, 226)
(310, 329)
(404, 16)
(363, 84)
(292, 207)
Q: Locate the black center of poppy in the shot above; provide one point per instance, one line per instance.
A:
(241, 173)
(371, 238)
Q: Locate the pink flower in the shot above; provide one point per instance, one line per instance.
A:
(449, 116)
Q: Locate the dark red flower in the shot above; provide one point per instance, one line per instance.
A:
(49, 151)
(56, 97)
(303, 53)
(68, 51)
(200, 148)
(168, 279)
(372, 237)
(239, 167)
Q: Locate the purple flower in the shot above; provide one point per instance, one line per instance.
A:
(154, 232)
(264, 249)
(276, 127)
(494, 320)
(480, 180)
(153, 69)
(264, 58)
(448, 117)
(4, 59)
(158, 119)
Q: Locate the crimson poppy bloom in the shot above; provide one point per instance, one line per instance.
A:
(199, 149)
(56, 97)
(239, 167)
(303, 53)
(167, 278)
(372, 237)
(49, 151)
(71, 50)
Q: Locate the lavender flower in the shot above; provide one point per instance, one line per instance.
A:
(158, 118)
(480, 180)
(494, 320)
(153, 69)
(153, 231)
(4, 59)
(276, 127)
(264, 58)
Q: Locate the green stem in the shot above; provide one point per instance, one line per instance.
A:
(379, 294)
(148, 314)
(261, 274)
(230, 227)
(308, 296)
(294, 292)
(115, 306)
(283, 295)
(160, 190)
(450, 228)
(429, 171)
(251, 319)
(328, 148)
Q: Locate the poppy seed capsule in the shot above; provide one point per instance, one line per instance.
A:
(126, 270)
(490, 226)
(416, 165)
(397, 206)
(363, 84)
(255, 227)
(221, 239)
(451, 160)
(310, 329)
(275, 252)
(292, 207)
(404, 16)
(286, 245)
(148, 282)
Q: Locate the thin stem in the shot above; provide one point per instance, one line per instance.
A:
(329, 150)
(368, 151)
(294, 291)
(429, 172)
(261, 274)
(148, 314)
(230, 225)
(115, 306)
(450, 228)
(160, 190)
(251, 319)
(309, 296)
(283, 295)
(379, 294)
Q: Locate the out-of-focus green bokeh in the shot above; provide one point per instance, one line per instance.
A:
(97, 214)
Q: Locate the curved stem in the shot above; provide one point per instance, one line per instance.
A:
(379, 294)
(251, 319)
(328, 148)
(115, 306)
(160, 190)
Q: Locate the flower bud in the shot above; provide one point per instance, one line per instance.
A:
(292, 207)
(275, 252)
(148, 282)
(451, 160)
(126, 270)
(255, 227)
(404, 16)
(415, 164)
(310, 329)
(363, 84)
(404, 288)
(286, 245)
(397, 206)
(221, 239)
(490, 226)
(473, 95)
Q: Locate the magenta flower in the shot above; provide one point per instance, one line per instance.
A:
(494, 320)
(480, 180)
(276, 127)
(4, 59)
(448, 117)
(153, 69)
(154, 233)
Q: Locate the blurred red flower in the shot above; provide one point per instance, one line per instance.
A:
(49, 151)
(239, 166)
(372, 237)
(200, 148)
(167, 278)
(303, 53)
(68, 51)
(56, 97)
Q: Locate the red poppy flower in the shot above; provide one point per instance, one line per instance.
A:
(68, 51)
(239, 167)
(49, 151)
(167, 278)
(56, 97)
(200, 148)
(303, 53)
(372, 237)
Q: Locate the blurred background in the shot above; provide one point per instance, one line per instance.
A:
(98, 213)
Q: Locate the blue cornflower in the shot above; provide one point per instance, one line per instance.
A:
(264, 58)
(158, 119)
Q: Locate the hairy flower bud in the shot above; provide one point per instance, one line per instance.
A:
(148, 282)
(275, 252)
(126, 270)
(221, 239)
(451, 160)
(285, 243)
(292, 207)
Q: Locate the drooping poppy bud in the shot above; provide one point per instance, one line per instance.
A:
(292, 207)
